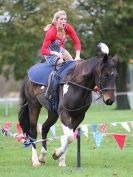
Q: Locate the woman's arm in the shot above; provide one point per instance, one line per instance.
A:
(77, 55)
(75, 40)
(49, 37)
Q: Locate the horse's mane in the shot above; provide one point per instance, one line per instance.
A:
(82, 68)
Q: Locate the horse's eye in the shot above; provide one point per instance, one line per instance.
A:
(112, 73)
(106, 76)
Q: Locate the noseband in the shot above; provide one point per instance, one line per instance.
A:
(100, 84)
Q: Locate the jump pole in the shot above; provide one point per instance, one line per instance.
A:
(78, 147)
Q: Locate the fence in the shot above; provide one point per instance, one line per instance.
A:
(8, 104)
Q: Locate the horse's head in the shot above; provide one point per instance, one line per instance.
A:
(106, 74)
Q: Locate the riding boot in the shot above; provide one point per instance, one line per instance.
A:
(49, 91)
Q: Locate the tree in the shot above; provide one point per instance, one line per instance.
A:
(21, 32)
(110, 22)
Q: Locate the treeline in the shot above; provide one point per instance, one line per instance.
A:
(22, 23)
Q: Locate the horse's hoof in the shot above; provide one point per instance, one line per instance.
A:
(57, 153)
(41, 161)
(54, 156)
(62, 164)
(36, 164)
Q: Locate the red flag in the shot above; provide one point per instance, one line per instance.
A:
(104, 128)
(20, 137)
(75, 134)
(120, 139)
(8, 125)
(18, 127)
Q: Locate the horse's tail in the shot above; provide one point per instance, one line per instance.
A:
(23, 115)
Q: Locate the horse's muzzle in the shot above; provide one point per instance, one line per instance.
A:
(109, 101)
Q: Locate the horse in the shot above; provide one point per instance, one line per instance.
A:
(75, 98)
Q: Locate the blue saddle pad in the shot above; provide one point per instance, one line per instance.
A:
(39, 73)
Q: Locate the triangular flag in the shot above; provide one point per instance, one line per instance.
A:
(120, 139)
(104, 128)
(75, 134)
(18, 127)
(126, 126)
(8, 126)
(64, 140)
(20, 137)
(94, 127)
(131, 123)
(114, 124)
(84, 129)
(39, 127)
(7, 129)
(52, 128)
(98, 137)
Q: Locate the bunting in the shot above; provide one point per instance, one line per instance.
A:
(94, 127)
(125, 126)
(120, 139)
(98, 137)
(104, 128)
(39, 127)
(75, 133)
(114, 124)
(84, 129)
(99, 130)
(52, 128)
(131, 123)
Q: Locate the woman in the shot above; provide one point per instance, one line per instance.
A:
(56, 35)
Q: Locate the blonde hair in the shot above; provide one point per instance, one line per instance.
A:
(55, 17)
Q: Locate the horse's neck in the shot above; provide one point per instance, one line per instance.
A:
(84, 73)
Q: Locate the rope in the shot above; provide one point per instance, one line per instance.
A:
(81, 106)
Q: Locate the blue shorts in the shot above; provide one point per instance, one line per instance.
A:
(55, 46)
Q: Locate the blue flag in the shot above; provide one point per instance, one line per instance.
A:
(98, 137)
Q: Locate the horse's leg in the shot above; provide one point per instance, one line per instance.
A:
(66, 139)
(51, 120)
(62, 158)
(34, 114)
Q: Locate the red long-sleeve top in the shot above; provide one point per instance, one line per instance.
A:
(51, 36)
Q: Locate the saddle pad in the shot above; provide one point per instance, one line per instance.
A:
(39, 73)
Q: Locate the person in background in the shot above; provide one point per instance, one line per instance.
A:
(53, 47)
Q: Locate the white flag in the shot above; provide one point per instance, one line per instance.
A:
(53, 130)
(39, 127)
(84, 129)
(114, 124)
(126, 126)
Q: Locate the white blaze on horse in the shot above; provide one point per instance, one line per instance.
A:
(74, 99)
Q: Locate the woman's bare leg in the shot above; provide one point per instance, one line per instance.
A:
(67, 55)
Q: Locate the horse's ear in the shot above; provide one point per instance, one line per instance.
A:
(115, 59)
(105, 58)
(104, 50)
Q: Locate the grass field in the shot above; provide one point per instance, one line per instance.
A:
(106, 161)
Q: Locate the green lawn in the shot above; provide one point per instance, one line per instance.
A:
(106, 161)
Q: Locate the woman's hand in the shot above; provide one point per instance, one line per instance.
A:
(59, 55)
(77, 58)
(77, 55)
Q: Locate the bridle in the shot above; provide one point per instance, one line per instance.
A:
(100, 88)
(99, 82)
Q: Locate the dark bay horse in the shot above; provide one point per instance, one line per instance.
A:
(75, 97)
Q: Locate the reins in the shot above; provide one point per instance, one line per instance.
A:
(83, 87)
(78, 109)
(86, 88)
(66, 81)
